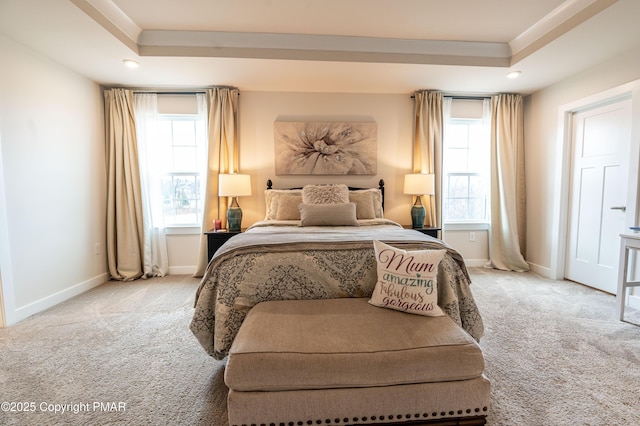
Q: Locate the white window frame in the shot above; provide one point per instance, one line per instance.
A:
(465, 224)
(195, 227)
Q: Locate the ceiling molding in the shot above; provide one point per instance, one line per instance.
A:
(321, 48)
(325, 55)
(174, 43)
(560, 21)
(112, 19)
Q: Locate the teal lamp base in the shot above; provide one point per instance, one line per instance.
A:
(418, 213)
(234, 216)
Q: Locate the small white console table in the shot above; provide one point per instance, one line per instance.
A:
(627, 242)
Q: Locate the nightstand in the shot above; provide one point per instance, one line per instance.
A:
(432, 231)
(217, 239)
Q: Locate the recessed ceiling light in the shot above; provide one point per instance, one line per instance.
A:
(130, 63)
(514, 74)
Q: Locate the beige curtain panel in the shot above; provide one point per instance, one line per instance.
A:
(427, 148)
(125, 231)
(223, 152)
(507, 231)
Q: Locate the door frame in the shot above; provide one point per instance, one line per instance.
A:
(560, 225)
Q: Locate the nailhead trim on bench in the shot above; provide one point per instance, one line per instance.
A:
(345, 420)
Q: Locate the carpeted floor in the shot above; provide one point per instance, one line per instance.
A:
(122, 353)
(555, 352)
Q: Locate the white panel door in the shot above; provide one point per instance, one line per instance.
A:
(601, 148)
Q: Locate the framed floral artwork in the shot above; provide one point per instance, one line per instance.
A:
(325, 148)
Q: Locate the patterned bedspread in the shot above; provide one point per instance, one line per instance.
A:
(289, 262)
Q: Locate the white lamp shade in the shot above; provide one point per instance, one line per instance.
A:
(419, 184)
(234, 185)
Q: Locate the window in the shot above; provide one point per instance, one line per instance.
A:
(466, 159)
(181, 150)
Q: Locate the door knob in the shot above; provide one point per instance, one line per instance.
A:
(623, 208)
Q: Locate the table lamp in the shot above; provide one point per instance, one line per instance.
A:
(234, 185)
(418, 184)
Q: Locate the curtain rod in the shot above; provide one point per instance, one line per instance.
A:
(193, 90)
(167, 93)
(136, 92)
(468, 98)
(464, 98)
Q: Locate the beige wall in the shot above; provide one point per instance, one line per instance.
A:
(472, 241)
(183, 250)
(543, 149)
(52, 207)
(392, 113)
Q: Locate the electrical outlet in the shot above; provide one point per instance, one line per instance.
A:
(96, 249)
(472, 236)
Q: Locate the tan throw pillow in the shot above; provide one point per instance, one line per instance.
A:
(407, 280)
(364, 204)
(376, 197)
(325, 194)
(328, 214)
(288, 207)
(272, 200)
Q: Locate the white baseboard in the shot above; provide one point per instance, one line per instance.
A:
(536, 269)
(46, 302)
(543, 271)
(633, 301)
(473, 263)
(182, 270)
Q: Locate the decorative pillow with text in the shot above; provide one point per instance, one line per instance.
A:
(407, 280)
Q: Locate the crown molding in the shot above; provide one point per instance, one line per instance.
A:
(561, 20)
(112, 19)
(321, 48)
(339, 48)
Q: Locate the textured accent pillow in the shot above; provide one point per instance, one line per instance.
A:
(376, 198)
(325, 194)
(272, 200)
(364, 204)
(407, 280)
(328, 214)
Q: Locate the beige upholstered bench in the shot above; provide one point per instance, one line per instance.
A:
(343, 361)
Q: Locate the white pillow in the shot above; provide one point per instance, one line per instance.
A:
(407, 280)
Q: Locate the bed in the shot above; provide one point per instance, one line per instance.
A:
(321, 248)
